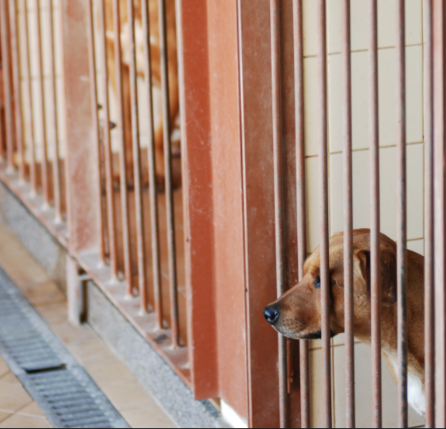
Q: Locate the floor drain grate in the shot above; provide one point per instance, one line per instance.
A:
(64, 391)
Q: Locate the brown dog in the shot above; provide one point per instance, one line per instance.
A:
(297, 314)
(156, 69)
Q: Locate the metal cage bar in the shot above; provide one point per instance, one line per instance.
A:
(401, 214)
(45, 175)
(15, 57)
(300, 197)
(140, 227)
(323, 210)
(7, 85)
(348, 214)
(429, 218)
(111, 216)
(96, 125)
(168, 172)
(154, 218)
(439, 20)
(375, 217)
(29, 100)
(122, 149)
(56, 152)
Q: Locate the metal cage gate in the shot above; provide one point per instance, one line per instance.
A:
(191, 245)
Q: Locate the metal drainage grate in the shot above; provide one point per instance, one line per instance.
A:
(64, 391)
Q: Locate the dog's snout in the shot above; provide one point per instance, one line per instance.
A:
(271, 315)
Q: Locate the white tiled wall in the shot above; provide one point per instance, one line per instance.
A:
(361, 179)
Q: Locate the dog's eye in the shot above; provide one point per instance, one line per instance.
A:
(317, 282)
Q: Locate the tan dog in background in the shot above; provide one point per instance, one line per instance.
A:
(297, 314)
(156, 72)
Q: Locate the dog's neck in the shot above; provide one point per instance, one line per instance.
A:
(415, 320)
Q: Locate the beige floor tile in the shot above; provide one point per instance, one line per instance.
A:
(9, 378)
(4, 416)
(19, 421)
(150, 417)
(69, 334)
(23, 278)
(3, 368)
(32, 410)
(111, 372)
(13, 397)
(54, 314)
(127, 396)
(44, 293)
(90, 351)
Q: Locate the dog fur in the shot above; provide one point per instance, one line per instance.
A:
(300, 308)
(156, 70)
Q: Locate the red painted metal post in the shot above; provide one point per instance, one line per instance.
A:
(82, 150)
(254, 49)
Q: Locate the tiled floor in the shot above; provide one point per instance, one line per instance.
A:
(112, 376)
(17, 409)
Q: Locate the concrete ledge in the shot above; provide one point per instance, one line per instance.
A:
(150, 369)
(152, 372)
(39, 242)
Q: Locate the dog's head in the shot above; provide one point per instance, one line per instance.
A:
(297, 314)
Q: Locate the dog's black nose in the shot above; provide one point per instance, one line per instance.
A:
(271, 315)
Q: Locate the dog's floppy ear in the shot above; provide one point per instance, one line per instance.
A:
(388, 273)
(388, 276)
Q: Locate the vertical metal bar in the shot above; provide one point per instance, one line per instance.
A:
(439, 32)
(137, 161)
(94, 111)
(108, 147)
(6, 65)
(168, 172)
(53, 90)
(45, 170)
(401, 215)
(323, 196)
(429, 336)
(152, 168)
(375, 260)
(348, 214)
(278, 199)
(29, 100)
(300, 187)
(122, 151)
(15, 48)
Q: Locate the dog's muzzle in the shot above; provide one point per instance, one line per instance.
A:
(271, 315)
